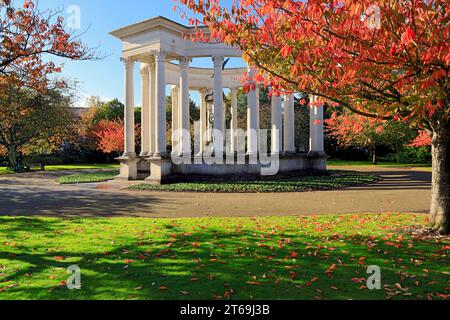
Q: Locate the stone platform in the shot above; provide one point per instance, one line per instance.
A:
(140, 168)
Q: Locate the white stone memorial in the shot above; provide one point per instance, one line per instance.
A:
(164, 52)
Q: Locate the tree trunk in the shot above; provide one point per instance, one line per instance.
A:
(374, 156)
(440, 202)
(12, 157)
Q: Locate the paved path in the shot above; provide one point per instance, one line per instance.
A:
(36, 194)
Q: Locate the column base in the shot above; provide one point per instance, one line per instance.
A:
(158, 155)
(161, 170)
(320, 160)
(128, 167)
(317, 153)
(289, 154)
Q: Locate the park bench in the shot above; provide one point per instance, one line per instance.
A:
(38, 166)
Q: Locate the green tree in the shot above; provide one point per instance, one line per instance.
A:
(33, 120)
(109, 111)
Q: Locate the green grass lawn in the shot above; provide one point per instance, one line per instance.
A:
(338, 162)
(81, 167)
(5, 170)
(336, 180)
(64, 167)
(89, 177)
(221, 258)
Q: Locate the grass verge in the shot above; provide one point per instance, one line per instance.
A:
(338, 163)
(336, 180)
(89, 177)
(68, 167)
(222, 258)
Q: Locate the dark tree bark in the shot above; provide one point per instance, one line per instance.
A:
(440, 202)
(374, 155)
(12, 157)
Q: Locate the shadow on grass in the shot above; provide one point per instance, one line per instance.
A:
(173, 262)
(35, 201)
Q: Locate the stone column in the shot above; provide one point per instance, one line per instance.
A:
(153, 104)
(176, 139)
(258, 117)
(289, 124)
(234, 120)
(184, 106)
(160, 66)
(145, 110)
(219, 122)
(130, 139)
(316, 127)
(252, 120)
(277, 123)
(203, 120)
(208, 121)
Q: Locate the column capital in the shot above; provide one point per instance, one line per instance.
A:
(160, 55)
(174, 88)
(127, 61)
(218, 61)
(144, 70)
(184, 62)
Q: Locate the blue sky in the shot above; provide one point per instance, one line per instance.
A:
(104, 78)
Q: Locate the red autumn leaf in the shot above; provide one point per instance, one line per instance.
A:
(408, 36)
(285, 51)
(128, 261)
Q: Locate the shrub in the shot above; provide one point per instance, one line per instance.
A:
(419, 155)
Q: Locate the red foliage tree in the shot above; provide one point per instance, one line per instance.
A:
(354, 130)
(27, 37)
(422, 140)
(388, 60)
(110, 137)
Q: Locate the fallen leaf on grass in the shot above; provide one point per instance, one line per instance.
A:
(128, 261)
(8, 287)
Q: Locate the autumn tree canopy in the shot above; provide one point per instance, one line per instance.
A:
(27, 37)
(385, 60)
(32, 109)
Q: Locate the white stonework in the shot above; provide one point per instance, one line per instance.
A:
(164, 51)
